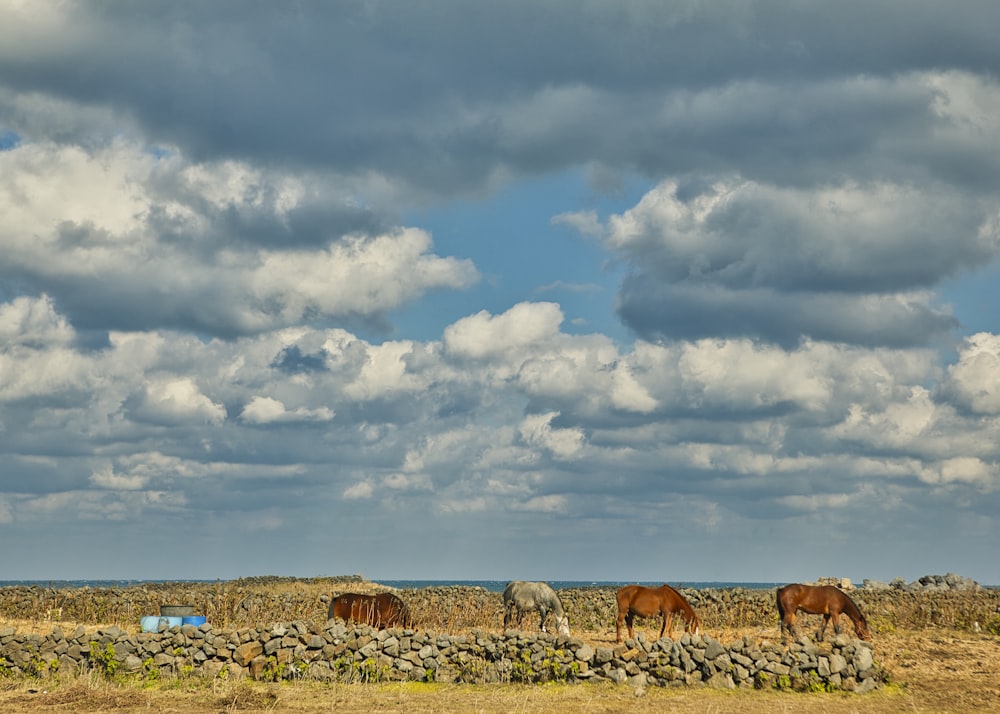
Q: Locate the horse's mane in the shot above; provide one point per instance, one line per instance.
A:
(856, 611)
(689, 614)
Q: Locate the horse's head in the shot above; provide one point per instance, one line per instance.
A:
(861, 626)
(694, 624)
(562, 625)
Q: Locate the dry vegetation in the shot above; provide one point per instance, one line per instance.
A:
(937, 659)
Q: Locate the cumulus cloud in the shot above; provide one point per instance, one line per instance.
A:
(176, 401)
(359, 491)
(517, 330)
(846, 263)
(160, 237)
(265, 410)
(537, 430)
(33, 322)
(37, 356)
(963, 469)
(973, 382)
(105, 477)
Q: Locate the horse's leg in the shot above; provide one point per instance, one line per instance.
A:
(618, 625)
(789, 623)
(668, 625)
(630, 622)
(822, 628)
(542, 614)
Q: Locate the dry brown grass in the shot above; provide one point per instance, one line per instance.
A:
(245, 603)
(937, 662)
(920, 662)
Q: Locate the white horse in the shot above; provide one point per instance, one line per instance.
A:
(524, 596)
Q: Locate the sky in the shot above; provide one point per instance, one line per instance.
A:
(635, 290)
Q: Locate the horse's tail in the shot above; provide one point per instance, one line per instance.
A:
(781, 606)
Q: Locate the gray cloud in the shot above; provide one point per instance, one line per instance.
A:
(846, 263)
(443, 96)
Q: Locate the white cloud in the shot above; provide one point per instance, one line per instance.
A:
(817, 502)
(522, 328)
(124, 236)
(384, 371)
(537, 430)
(846, 262)
(359, 275)
(36, 356)
(962, 469)
(33, 322)
(359, 491)
(177, 401)
(105, 477)
(742, 233)
(265, 410)
(973, 382)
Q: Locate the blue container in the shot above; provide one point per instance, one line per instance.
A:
(196, 620)
(151, 623)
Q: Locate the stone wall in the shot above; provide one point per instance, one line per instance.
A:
(337, 652)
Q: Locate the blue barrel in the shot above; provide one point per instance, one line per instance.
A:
(151, 623)
(196, 620)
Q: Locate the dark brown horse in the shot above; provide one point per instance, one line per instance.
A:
(649, 602)
(380, 611)
(825, 600)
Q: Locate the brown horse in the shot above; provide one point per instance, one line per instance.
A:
(825, 600)
(649, 602)
(380, 611)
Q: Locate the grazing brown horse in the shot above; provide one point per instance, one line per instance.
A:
(825, 600)
(649, 602)
(380, 611)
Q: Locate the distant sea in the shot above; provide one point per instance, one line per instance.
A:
(491, 585)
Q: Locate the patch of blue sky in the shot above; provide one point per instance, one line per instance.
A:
(9, 139)
(159, 152)
(523, 255)
(974, 297)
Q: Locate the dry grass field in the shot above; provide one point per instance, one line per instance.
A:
(937, 660)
